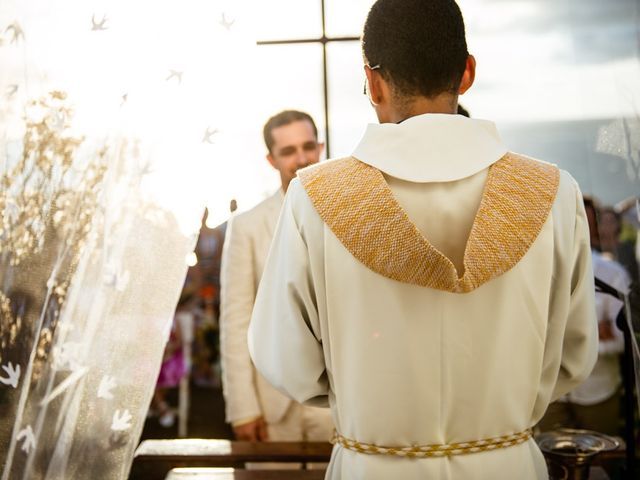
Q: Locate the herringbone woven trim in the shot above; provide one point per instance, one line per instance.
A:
(354, 200)
(437, 450)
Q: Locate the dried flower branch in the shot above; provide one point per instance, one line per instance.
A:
(49, 197)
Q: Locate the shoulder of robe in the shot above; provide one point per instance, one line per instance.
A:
(568, 202)
(568, 188)
(356, 203)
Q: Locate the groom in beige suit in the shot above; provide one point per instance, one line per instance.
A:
(256, 411)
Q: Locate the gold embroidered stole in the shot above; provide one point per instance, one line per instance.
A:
(356, 203)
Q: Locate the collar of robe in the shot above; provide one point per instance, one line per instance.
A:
(469, 146)
(356, 203)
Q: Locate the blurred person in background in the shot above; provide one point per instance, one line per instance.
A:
(618, 241)
(257, 411)
(174, 365)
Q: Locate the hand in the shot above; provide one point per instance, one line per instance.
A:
(255, 431)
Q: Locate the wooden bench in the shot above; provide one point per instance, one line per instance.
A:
(595, 473)
(153, 459)
(242, 474)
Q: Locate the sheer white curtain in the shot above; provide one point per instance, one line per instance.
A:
(114, 121)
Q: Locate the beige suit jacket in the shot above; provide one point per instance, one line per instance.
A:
(245, 250)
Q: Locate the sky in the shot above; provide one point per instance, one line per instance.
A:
(540, 61)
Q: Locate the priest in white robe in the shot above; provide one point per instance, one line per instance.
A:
(435, 290)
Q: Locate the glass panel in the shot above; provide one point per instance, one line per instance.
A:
(554, 80)
(349, 109)
(287, 19)
(553, 103)
(286, 77)
(289, 77)
(345, 19)
(562, 81)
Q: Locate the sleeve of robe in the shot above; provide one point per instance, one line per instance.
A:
(283, 343)
(571, 346)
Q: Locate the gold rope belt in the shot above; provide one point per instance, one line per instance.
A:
(437, 450)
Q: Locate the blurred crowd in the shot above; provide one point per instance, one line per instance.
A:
(193, 346)
(596, 404)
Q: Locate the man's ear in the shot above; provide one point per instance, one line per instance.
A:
(374, 85)
(271, 160)
(468, 76)
(321, 147)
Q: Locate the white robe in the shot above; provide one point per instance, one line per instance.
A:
(404, 365)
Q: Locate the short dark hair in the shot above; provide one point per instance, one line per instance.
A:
(420, 45)
(285, 118)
